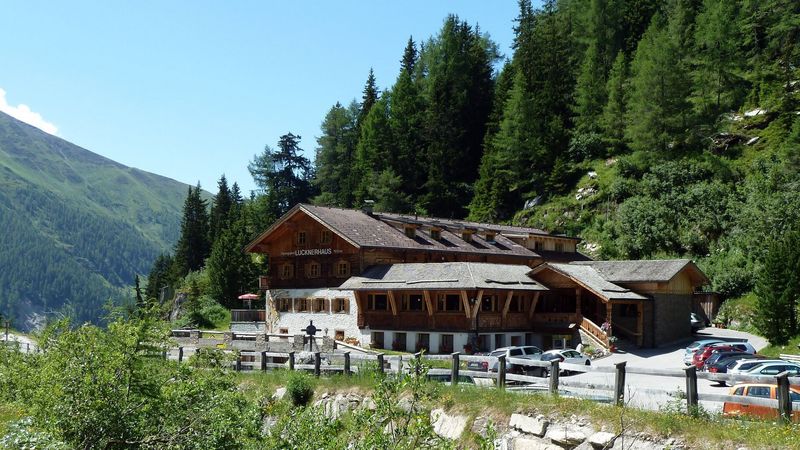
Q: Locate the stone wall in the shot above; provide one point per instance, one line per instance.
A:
(671, 313)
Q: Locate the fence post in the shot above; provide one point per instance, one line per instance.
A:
(380, 362)
(418, 365)
(784, 401)
(346, 363)
(164, 354)
(454, 369)
(291, 360)
(317, 363)
(691, 388)
(180, 354)
(239, 362)
(501, 371)
(619, 384)
(263, 361)
(554, 372)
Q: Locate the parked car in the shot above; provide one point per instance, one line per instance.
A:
(717, 356)
(521, 352)
(744, 366)
(478, 366)
(567, 355)
(694, 346)
(696, 322)
(739, 345)
(734, 409)
(700, 357)
(724, 364)
(774, 368)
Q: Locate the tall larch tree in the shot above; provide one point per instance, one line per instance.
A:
(335, 157)
(193, 246)
(375, 151)
(613, 120)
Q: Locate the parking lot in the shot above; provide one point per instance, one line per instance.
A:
(653, 392)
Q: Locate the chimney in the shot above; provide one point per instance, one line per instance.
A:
(368, 206)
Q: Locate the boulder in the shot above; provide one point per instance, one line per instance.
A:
(279, 393)
(534, 443)
(528, 425)
(601, 439)
(566, 435)
(446, 425)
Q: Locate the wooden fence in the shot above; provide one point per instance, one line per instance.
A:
(499, 375)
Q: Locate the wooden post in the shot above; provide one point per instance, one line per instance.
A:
(619, 384)
(554, 372)
(418, 365)
(380, 362)
(691, 388)
(784, 400)
(317, 363)
(263, 361)
(180, 354)
(346, 363)
(291, 360)
(501, 371)
(164, 354)
(454, 369)
(239, 363)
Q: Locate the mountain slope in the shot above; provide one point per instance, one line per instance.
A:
(76, 226)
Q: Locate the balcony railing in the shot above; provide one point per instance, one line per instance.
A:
(248, 315)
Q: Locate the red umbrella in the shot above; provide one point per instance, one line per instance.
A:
(249, 297)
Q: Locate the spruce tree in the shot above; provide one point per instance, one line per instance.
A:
(368, 98)
(335, 158)
(613, 119)
(220, 207)
(375, 151)
(283, 177)
(160, 276)
(773, 296)
(717, 42)
(193, 246)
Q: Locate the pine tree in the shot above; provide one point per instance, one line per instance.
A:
(614, 114)
(230, 269)
(717, 42)
(375, 151)
(368, 98)
(193, 246)
(283, 176)
(160, 276)
(335, 158)
(658, 106)
(776, 307)
(220, 207)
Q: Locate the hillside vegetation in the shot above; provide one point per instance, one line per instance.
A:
(77, 227)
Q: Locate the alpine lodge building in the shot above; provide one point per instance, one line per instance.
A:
(408, 283)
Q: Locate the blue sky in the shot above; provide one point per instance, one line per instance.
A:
(191, 90)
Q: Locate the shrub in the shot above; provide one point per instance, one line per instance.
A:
(299, 388)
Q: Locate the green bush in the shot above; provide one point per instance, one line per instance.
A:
(299, 388)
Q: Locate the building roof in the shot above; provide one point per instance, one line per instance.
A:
(645, 271)
(386, 230)
(588, 277)
(438, 276)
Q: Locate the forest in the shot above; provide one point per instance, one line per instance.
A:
(649, 129)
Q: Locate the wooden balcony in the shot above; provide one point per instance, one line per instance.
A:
(248, 315)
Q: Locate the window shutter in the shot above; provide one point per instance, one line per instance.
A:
(347, 305)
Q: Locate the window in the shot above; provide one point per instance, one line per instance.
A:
(516, 340)
(325, 237)
(560, 247)
(340, 305)
(399, 343)
(313, 270)
(283, 304)
(319, 305)
(377, 302)
(758, 391)
(283, 331)
(300, 305)
(423, 341)
(446, 343)
(287, 271)
(413, 302)
(516, 304)
(467, 236)
(490, 238)
(538, 245)
(489, 303)
(410, 232)
(338, 335)
(450, 303)
(515, 352)
(499, 340)
(343, 269)
(301, 238)
(739, 391)
(436, 234)
(377, 339)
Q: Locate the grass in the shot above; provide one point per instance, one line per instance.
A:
(8, 413)
(702, 430)
(792, 348)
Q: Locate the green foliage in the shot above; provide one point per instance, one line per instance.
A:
(778, 290)
(299, 388)
(193, 246)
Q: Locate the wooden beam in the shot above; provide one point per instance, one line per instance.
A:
(640, 324)
(392, 302)
(533, 304)
(477, 305)
(578, 301)
(465, 301)
(428, 302)
(507, 304)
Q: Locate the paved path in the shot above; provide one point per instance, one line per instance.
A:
(654, 392)
(25, 343)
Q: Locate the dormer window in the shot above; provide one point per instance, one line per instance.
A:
(411, 232)
(490, 237)
(436, 234)
(301, 238)
(467, 236)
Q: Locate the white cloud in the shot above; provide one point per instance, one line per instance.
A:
(23, 112)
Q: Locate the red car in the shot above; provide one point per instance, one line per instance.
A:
(700, 357)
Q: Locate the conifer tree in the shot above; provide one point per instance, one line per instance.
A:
(777, 290)
(193, 245)
(220, 207)
(375, 151)
(613, 118)
(717, 42)
(160, 276)
(335, 158)
(658, 104)
(368, 98)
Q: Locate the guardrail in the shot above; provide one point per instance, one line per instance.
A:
(552, 383)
